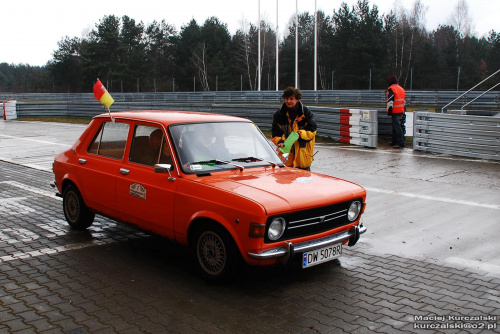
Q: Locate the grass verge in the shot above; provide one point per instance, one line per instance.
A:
(57, 119)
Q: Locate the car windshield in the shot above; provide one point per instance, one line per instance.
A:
(209, 147)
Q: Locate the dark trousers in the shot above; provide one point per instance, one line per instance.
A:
(398, 136)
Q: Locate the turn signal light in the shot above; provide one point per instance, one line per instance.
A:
(257, 230)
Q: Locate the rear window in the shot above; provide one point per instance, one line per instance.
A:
(110, 140)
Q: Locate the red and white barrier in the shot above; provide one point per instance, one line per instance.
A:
(9, 110)
(359, 127)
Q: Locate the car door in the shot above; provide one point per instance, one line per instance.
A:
(146, 198)
(100, 164)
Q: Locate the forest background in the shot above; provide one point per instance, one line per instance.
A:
(358, 48)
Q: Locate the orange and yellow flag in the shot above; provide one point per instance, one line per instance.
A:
(101, 94)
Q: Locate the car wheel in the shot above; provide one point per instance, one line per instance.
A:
(215, 253)
(77, 214)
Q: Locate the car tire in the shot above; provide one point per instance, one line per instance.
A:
(215, 253)
(77, 214)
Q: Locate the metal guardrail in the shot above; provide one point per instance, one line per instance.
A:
(336, 97)
(327, 118)
(463, 135)
(472, 135)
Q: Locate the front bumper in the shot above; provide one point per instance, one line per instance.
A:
(53, 185)
(287, 252)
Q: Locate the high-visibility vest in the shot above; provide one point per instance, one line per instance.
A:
(399, 99)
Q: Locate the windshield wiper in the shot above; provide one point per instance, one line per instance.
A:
(230, 163)
(247, 159)
(206, 162)
(214, 162)
(254, 159)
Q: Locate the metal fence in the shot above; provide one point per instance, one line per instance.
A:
(475, 136)
(328, 118)
(325, 97)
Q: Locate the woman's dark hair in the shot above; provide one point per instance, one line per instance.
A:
(291, 91)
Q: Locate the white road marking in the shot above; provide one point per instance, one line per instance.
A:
(31, 189)
(21, 235)
(35, 140)
(434, 198)
(11, 206)
(99, 239)
(12, 236)
(52, 250)
(45, 165)
(419, 154)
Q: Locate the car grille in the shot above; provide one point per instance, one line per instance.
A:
(312, 221)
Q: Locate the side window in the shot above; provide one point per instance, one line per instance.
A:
(110, 141)
(149, 146)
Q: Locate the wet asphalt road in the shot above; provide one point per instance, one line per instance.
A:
(422, 205)
(419, 205)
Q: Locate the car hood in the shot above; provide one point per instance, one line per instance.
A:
(285, 189)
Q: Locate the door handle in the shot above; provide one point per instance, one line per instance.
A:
(82, 161)
(124, 171)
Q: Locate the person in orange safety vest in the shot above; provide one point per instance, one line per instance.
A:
(396, 111)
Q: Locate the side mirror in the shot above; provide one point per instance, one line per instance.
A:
(164, 168)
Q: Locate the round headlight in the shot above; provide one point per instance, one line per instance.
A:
(276, 228)
(354, 211)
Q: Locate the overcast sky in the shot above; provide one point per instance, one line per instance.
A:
(30, 29)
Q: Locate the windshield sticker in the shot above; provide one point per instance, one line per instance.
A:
(304, 179)
(137, 190)
(196, 167)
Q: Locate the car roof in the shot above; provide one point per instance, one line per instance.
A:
(168, 117)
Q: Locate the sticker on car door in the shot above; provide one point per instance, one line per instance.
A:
(138, 190)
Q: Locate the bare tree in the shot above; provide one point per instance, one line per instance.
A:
(200, 62)
(408, 23)
(415, 22)
(244, 51)
(247, 50)
(264, 27)
(461, 20)
(400, 36)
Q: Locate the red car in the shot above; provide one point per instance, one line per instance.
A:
(210, 182)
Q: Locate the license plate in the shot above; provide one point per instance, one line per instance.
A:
(321, 255)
